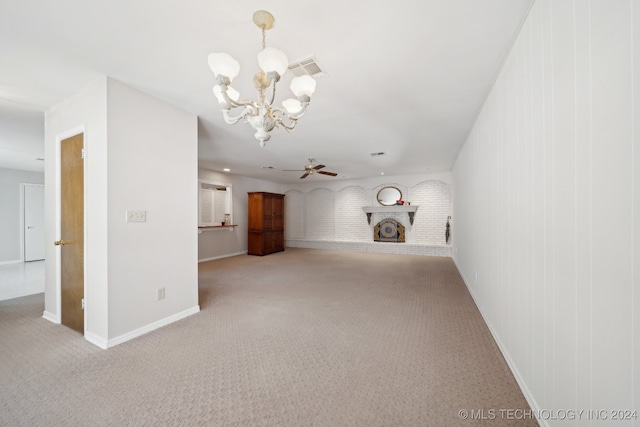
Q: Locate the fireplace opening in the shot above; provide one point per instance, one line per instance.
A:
(389, 230)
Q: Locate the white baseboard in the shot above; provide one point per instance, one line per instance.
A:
(51, 317)
(96, 340)
(145, 329)
(16, 261)
(507, 357)
(374, 247)
(222, 256)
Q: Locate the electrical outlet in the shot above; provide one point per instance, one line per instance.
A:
(136, 216)
(160, 293)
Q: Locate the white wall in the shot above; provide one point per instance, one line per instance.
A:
(219, 243)
(10, 211)
(546, 207)
(152, 166)
(141, 154)
(85, 112)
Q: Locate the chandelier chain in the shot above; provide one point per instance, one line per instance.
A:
(264, 35)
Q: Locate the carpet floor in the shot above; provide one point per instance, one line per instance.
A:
(298, 338)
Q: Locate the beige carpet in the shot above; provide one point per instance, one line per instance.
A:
(299, 338)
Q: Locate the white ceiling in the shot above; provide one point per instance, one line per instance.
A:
(406, 77)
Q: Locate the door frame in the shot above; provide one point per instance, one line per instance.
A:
(58, 219)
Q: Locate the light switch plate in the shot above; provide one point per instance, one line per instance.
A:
(136, 216)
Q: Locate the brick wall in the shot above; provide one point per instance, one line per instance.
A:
(320, 213)
(351, 223)
(333, 219)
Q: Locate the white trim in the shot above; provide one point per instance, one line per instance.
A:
(373, 247)
(96, 340)
(222, 256)
(143, 330)
(22, 248)
(16, 261)
(51, 317)
(507, 357)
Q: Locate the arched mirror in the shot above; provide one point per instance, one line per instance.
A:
(387, 196)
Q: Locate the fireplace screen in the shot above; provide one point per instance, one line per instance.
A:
(388, 230)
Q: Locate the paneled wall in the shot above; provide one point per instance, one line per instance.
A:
(547, 207)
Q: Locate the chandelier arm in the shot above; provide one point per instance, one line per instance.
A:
(233, 120)
(274, 78)
(242, 103)
(234, 104)
(292, 117)
(281, 114)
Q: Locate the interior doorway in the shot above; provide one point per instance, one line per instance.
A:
(33, 221)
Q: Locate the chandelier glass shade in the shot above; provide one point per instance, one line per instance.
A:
(262, 115)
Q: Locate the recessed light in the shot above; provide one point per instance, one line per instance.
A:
(226, 170)
(381, 173)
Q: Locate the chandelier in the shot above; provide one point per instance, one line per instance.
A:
(262, 115)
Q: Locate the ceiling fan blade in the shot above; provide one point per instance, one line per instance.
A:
(318, 167)
(305, 175)
(328, 173)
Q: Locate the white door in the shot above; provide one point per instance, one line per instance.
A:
(33, 222)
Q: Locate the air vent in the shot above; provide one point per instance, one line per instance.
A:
(376, 154)
(307, 67)
(267, 167)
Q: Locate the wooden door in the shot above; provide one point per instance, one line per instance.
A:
(33, 222)
(72, 232)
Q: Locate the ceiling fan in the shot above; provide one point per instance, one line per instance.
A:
(310, 169)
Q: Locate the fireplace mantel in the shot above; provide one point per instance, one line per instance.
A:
(410, 210)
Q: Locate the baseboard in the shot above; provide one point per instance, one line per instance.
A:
(96, 340)
(222, 256)
(507, 357)
(16, 261)
(51, 317)
(374, 247)
(148, 328)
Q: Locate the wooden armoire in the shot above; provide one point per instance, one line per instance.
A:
(266, 223)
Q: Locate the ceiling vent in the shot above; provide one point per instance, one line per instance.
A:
(267, 167)
(307, 67)
(376, 154)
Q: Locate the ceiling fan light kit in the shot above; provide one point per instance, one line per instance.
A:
(262, 115)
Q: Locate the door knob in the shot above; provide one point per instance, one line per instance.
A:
(61, 242)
